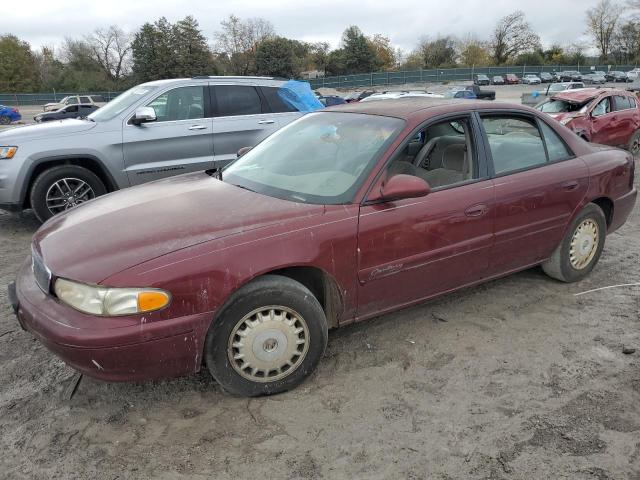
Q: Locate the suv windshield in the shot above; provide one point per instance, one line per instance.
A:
(321, 158)
(560, 106)
(121, 103)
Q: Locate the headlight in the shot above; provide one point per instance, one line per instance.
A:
(7, 152)
(110, 301)
(564, 121)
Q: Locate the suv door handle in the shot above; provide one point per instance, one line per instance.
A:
(570, 185)
(476, 210)
(266, 122)
(198, 127)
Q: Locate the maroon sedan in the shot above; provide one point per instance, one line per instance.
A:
(340, 216)
(600, 115)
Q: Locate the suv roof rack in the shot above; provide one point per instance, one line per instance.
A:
(234, 77)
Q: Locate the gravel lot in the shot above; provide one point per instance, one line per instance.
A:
(516, 379)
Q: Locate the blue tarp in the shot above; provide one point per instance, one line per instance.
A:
(299, 95)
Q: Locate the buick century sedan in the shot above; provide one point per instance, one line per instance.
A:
(341, 216)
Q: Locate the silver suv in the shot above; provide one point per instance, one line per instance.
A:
(151, 131)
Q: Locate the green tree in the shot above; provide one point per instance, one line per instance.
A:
(359, 55)
(473, 52)
(440, 52)
(237, 42)
(512, 36)
(276, 56)
(190, 50)
(336, 62)
(19, 67)
(385, 54)
(152, 51)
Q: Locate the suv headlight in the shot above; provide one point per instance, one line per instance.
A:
(7, 152)
(108, 301)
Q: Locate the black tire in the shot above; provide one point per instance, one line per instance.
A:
(560, 266)
(4, 120)
(634, 144)
(48, 179)
(263, 293)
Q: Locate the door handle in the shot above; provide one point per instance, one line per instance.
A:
(198, 127)
(570, 185)
(266, 122)
(476, 210)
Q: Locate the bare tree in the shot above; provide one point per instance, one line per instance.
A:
(511, 37)
(112, 50)
(239, 39)
(601, 24)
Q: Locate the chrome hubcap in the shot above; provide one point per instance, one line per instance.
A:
(268, 344)
(67, 193)
(584, 244)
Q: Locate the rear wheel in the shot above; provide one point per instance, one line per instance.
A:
(634, 144)
(581, 247)
(268, 339)
(60, 188)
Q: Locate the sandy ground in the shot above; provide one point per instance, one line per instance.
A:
(515, 379)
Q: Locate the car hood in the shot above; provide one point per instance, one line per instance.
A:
(120, 230)
(44, 130)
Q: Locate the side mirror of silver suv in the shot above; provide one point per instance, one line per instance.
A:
(144, 115)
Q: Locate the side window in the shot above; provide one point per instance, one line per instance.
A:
(603, 107)
(556, 148)
(515, 143)
(85, 100)
(632, 102)
(622, 102)
(237, 100)
(183, 103)
(441, 154)
(274, 101)
(72, 101)
(71, 109)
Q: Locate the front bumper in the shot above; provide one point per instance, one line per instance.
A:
(163, 348)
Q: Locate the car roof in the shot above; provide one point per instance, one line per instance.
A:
(413, 108)
(585, 94)
(230, 79)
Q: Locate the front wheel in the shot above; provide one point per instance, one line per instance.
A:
(581, 247)
(268, 339)
(4, 120)
(60, 188)
(634, 144)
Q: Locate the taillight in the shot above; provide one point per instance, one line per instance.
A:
(15, 110)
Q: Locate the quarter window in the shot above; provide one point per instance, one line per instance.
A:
(274, 101)
(624, 102)
(515, 143)
(237, 100)
(556, 148)
(183, 103)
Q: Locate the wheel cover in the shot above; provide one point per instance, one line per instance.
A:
(584, 244)
(67, 193)
(635, 145)
(268, 344)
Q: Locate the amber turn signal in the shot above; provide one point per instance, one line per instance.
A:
(152, 300)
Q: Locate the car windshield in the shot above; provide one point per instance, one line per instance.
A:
(321, 158)
(559, 106)
(121, 103)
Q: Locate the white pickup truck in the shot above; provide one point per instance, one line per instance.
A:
(74, 100)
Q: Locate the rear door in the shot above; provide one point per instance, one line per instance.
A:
(243, 118)
(628, 117)
(538, 184)
(179, 141)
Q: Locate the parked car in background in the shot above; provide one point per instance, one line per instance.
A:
(561, 87)
(357, 96)
(531, 79)
(617, 76)
(97, 100)
(569, 76)
(460, 92)
(605, 116)
(497, 80)
(547, 77)
(70, 111)
(481, 79)
(9, 115)
(154, 130)
(244, 273)
(594, 79)
(391, 95)
(330, 100)
(482, 94)
(633, 74)
(511, 79)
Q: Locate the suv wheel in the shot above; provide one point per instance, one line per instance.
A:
(60, 188)
(634, 144)
(268, 339)
(581, 247)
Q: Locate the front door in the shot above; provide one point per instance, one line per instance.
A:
(180, 140)
(604, 123)
(412, 249)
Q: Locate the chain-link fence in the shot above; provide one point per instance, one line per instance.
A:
(447, 75)
(18, 99)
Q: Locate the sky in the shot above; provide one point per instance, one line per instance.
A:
(47, 22)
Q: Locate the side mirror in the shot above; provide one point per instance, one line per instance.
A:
(399, 187)
(144, 115)
(242, 151)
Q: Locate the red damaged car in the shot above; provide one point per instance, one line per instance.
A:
(599, 115)
(340, 216)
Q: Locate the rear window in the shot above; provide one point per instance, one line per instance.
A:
(276, 104)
